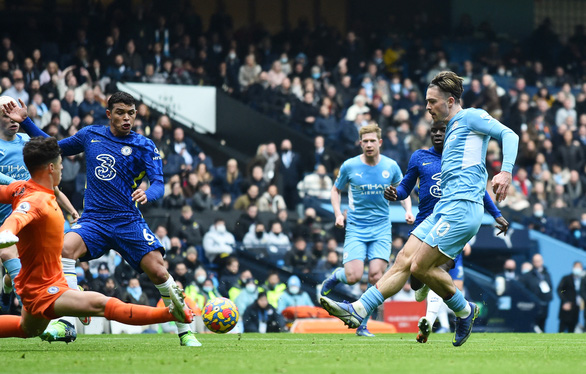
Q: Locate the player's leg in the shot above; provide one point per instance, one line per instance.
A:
(76, 304)
(353, 260)
(458, 222)
(434, 309)
(74, 247)
(11, 263)
(389, 284)
(376, 269)
(152, 264)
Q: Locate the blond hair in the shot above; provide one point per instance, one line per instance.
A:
(373, 127)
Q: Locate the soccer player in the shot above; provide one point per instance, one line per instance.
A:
(456, 218)
(12, 168)
(38, 222)
(368, 229)
(425, 166)
(117, 159)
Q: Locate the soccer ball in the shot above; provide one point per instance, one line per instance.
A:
(220, 315)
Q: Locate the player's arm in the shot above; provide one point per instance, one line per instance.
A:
(70, 146)
(20, 115)
(66, 205)
(336, 198)
(336, 194)
(5, 195)
(510, 145)
(501, 223)
(154, 170)
(15, 222)
(408, 182)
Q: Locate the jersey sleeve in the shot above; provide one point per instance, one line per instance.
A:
(31, 129)
(397, 174)
(490, 207)
(342, 179)
(410, 178)
(73, 144)
(26, 211)
(154, 170)
(6, 194)
(485, 124)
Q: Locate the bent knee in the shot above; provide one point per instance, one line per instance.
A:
(418, 270)
(353, 277)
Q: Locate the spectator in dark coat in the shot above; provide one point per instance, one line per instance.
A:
(289, 172)
(568, 291)
(538, 282)
(299, 258)
(262, 317)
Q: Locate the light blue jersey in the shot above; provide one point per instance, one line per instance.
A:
(12, 166)
(457, 216)
(368, 228)
(366, 186)
(463, 173)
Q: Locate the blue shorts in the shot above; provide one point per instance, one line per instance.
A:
(131, 238)
(451, 225)
(367, 243)
(457, 273)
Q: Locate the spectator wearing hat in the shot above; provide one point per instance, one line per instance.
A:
(293, 296)
(191, 260)
(262, 317)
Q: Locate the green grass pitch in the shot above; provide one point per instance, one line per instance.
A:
(298, 353)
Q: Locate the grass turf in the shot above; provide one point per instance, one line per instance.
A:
(298, 353)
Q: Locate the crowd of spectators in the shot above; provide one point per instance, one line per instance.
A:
(320, 82)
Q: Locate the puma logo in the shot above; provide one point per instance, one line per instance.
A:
(360, 174)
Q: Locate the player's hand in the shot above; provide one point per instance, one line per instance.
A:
(139, 196)
(74, 216)
(14, 112)
(390, 193)
(409, 218)
(502, 224)
(500, 185)
(340, 220)
(7, 238)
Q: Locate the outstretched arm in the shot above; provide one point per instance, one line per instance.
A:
(20, 115)
(66, 205)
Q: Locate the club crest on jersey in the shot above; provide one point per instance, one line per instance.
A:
(53, 290)
(23, 207)
(126, 150)
(386, 174)
(455, 125)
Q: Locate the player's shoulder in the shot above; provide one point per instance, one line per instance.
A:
(22, 137)
(352, 162)
(387, 162)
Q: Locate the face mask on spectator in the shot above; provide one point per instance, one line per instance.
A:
(251, 288)
(200, 278)
(538, 213)
(208, 289)
(259, 234)
(577, 272)
(221, 229)
(583, 222)
(294, 290)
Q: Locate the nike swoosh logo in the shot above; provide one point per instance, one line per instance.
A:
(95, 141)
(426, 163)
(151, 243)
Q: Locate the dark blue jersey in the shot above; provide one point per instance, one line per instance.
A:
(425, 165)
(115, 167)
